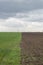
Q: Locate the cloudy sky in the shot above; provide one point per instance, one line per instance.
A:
(21, 15)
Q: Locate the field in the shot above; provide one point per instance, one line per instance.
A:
(10, 48)
(21, 48)
(32, 48)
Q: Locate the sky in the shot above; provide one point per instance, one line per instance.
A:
(21, 15)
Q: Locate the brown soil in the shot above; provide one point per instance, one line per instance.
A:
(32, 49)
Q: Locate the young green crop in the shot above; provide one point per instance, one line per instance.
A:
(10, 48)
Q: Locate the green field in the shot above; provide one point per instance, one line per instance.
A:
(10, 48)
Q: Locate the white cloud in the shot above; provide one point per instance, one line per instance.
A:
(24, 22)
(11, 24)
(17, 25)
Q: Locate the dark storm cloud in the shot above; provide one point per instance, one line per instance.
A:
(11, 7)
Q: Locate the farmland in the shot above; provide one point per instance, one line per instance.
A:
(32, 48)
(10, 48)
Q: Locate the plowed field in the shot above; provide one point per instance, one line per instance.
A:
(32, 49)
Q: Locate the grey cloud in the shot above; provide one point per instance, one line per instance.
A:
(11, 7)
(32, 16)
